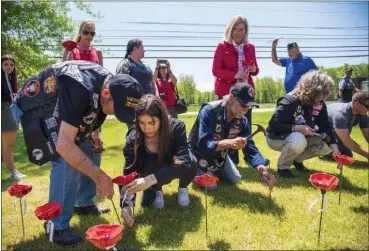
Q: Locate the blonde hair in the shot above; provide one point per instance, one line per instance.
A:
(312, 85)
(235, 21)
(83, 25)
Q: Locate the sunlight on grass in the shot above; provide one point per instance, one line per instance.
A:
(239, 217)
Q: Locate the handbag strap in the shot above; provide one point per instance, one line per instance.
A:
(9, 86)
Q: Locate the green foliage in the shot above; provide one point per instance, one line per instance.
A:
(268, 90)
(31, 31)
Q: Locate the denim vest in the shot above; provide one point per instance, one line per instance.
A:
(38, 99)
(143, 74)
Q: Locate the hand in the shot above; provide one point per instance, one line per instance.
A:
(275, 43)
(304, 129)
(242, 75)
(238, 143)
(157, 63)
(268, 179)
(128, 216)
(140, 184)
(104, 185)
(251, 68)
(335, 149)
(168, 66)
(97, 142)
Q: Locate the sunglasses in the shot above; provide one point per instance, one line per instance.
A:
(367, 107)
(245, 106)
(92, 33)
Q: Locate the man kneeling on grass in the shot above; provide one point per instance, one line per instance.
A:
(299, 127)
(220, 130)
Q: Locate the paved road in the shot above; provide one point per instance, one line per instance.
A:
(195, 113)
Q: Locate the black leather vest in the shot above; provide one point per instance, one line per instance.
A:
(38, 97)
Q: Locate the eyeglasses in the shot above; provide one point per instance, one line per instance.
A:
(92, 33)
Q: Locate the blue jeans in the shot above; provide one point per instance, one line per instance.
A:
(228, 173)
(70, 187)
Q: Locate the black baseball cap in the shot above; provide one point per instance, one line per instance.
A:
(292, 45)
(126, 93)
(244, 93)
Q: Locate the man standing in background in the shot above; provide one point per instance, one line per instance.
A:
(346, 87)
(296, 64)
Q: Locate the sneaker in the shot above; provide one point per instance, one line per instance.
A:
(66, 238)
(159, 200)
(183, 198)
(285, 173)
(16, 175)
(300, 167)
(94, 210)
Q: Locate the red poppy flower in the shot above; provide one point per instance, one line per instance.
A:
(69, 45)
(48, 211)
(324, 181)
(125, 179)
(248, 62)
(343, 159)
(19, 190)
(206, 180)
(104, 235)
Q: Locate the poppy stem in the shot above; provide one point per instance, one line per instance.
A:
(115, 209)
(321, 217)
(270, 199)
(339, 195)
(206, 208)
(21, 211)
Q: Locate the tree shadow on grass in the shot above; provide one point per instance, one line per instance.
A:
(219, 245)
(170, 224)
(41, 242)
(228, 195)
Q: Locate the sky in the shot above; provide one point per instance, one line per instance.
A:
(346, 24)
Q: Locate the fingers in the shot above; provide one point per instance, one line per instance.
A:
(127, 215)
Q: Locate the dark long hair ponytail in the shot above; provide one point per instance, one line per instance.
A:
(133, 43)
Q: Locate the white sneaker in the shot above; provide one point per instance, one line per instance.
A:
(159, 200)
(16, 175)
(183, 198)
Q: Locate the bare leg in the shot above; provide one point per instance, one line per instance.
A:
(7, 148)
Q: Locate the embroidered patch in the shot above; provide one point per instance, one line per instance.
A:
(95, 97)
(90, 118)
(218, 128)
(203, 163)
(251, 92)
(49, 146)
(37, 154)
(32, 88)
(49, 84)
(300, 120)
(51, 123)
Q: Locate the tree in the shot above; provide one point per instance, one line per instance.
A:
(32, 31)
(187, 88)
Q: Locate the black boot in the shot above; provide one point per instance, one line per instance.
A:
(91, 210)
(300, 167)
(285, 173)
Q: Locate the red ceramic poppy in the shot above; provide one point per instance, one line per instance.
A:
(104, 235)
(48, 211)
(343, 159)
(125, 179)
(69, 45)
(19, 190)
(206, 180)
(324, 181)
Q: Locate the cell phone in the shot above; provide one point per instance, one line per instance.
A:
(163, 61)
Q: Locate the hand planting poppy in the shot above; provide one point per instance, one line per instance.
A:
(125, 179)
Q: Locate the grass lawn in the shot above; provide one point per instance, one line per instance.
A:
(239, 216)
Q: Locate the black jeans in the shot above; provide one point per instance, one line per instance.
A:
(185, 178)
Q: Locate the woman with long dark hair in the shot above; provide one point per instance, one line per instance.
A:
(133, 65)
(9, 125)
(157, 150)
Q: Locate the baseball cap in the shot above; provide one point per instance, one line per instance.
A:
(244, 93)
(126, 93)
(292, 45)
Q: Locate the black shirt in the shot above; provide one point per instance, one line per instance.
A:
(74, 102)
